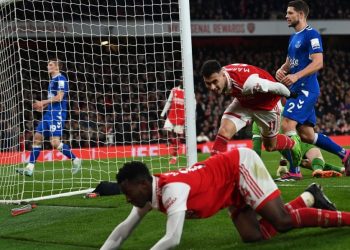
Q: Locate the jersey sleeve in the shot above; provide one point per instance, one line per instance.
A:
(174, 197)
(315, 42)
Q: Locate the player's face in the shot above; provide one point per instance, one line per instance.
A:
(138, 193)
(216, 82)
(52, 67)
(293, 17)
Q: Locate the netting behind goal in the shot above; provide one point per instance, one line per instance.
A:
(122, 59)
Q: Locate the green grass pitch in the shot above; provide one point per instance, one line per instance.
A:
(77, 223)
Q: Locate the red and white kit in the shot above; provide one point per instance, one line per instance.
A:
(232, 179)
(176, 116)
(257, 98)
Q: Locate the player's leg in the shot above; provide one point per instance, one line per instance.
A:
(173, 141)
(56, 132)
(246, 223)
(234, 119)
(269, 123)
(317, 162)
(41, 131)
(308, 135)
(261, 193)
(176, 142)
(256, 138)
(66, 150)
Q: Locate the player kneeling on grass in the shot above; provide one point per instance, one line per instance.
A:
(55, 108)
(237, 180)
(312, 159)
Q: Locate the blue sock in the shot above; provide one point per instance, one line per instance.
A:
(292, 169)
(34, 154)
(67, 151)
(324, 142)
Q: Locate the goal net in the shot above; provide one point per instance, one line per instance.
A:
(122, 60)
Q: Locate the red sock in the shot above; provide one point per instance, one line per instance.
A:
(267, 230)
(284, 142)
(175, 145)
(220, 144)
(295, 204)
(312, 217)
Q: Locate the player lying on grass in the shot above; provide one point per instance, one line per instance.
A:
(312, 158)
(257, 98)
(237, 180)
(52, 123)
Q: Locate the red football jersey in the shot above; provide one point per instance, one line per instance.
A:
(176, 113)
(213, 184)
(238, 74)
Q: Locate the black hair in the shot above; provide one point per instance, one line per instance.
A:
(133, 171)
(210, 67)
(57, 61)
(300, 5)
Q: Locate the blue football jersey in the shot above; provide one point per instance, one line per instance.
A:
(58, 83)
(301, 46)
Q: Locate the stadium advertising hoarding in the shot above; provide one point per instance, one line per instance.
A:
(199, 28)
(129, 151)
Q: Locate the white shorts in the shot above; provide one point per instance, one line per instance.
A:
(178, 129)
(256, 185)
(267, 120)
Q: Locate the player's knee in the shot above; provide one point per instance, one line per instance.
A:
(226, 131)
(55, 143)
(306, 138)
(283, 224)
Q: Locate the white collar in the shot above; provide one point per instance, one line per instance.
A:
(155, 192)
(302, 29)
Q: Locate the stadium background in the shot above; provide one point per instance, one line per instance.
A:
(76, 223)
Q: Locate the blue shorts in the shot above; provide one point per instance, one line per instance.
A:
(51, 125)
(302, 108)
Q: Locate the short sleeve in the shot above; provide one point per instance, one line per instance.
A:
(174, 197)
(315, 42)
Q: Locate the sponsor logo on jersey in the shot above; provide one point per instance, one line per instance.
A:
(315, 43)
(293, 62)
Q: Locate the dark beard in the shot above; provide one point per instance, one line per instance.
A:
(293, 25)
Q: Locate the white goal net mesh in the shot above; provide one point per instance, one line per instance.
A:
(121, 59)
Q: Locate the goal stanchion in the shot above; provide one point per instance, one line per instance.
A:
(122, 61)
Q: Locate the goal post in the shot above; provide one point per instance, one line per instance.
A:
(122, 59)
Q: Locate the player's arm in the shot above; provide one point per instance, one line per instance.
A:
(175, 199)
(283, 70)
(167, 104)
(124, 229)
(255, 84)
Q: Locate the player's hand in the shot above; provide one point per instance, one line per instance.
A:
(38, 106)
(289, 79)
(280, 74)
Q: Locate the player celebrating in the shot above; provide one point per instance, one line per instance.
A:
(257, 98)
(55, 108)
(175, 119)
(237, 180)
(305, 58)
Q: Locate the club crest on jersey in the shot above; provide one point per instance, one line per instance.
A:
(298, 44)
